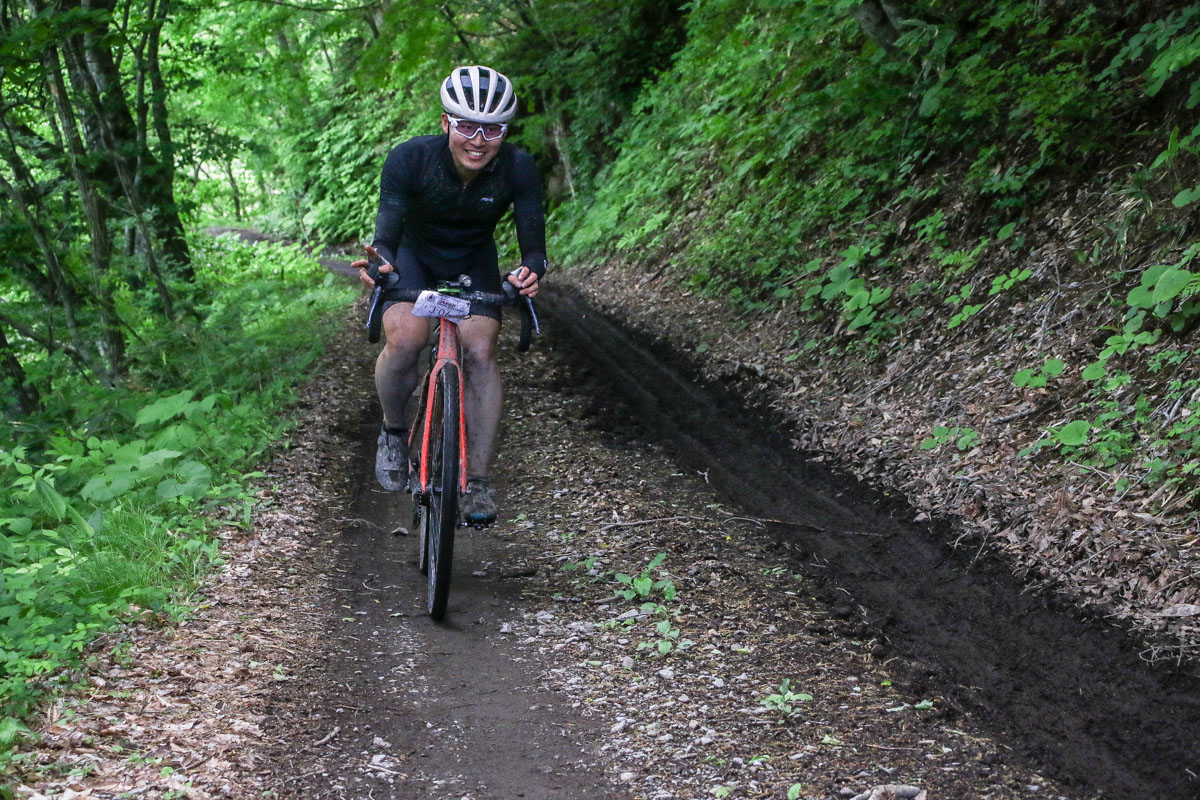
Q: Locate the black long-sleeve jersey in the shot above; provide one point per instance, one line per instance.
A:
(424, 203)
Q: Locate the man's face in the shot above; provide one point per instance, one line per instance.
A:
(471, 154)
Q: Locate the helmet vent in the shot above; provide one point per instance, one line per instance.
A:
(478, 93)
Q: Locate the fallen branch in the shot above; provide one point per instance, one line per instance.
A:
(892, 790)
(764, 521)
(385, 769)
(327, 738)
(885, 747)
(1029, 412)
(635, 523)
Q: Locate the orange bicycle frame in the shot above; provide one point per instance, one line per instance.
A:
(447, 356)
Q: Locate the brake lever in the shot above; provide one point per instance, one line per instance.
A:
(511, 293)
(537, 327)
(383, 282)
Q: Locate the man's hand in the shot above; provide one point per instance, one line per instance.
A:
(373, 257)
(526, 280)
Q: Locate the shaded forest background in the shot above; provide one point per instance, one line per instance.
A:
(879, 183)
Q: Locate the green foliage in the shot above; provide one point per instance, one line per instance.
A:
(666, 639)
(813, 160)
(1170, 45)
(1118, 344)
(1002, 283)
(785, 702)
(643, 585)
(338, 89)
(1073, 434)
(1036, 379)
(963, 438)
(1169, 291)
(110, 499)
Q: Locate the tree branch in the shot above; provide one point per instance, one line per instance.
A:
(314, 8)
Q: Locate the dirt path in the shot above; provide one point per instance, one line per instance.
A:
(313, 673)
(424, 710)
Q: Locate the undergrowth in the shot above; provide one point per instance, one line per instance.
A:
(112, 495)
(886, 190)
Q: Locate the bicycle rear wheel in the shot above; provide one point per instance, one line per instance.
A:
(442, 513)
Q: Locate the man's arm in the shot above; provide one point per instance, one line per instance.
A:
(529, 215)
(393, 203)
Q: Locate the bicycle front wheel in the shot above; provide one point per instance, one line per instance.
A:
(442, 513)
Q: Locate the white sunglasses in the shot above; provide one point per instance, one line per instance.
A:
(467, 129)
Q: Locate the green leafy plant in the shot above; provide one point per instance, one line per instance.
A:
(588, 569)
(643, 585)
(1169, 292)
(1073, 434)
(785, 702)
(666, 640)
(1118, 344)
(1002, 283)
(1036, 379)
(964, 438)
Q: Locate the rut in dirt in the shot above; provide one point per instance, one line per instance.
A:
(1070, 694)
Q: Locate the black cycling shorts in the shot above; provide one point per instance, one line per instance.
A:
(419, 269)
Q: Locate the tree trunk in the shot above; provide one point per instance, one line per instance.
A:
(27, 202)
(47, 343)
(877, 23)
(176, 246)
(100, 247)
(233, 186)
(106, 111)
(27, 394)
(112, 130)
(558, 134)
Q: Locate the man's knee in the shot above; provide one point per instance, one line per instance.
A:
(479, 336)
(403, 349)
(479, 353)
(405, 335)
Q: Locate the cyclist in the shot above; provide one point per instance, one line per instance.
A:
(440, 199)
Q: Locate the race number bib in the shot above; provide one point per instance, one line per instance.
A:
(431, 304)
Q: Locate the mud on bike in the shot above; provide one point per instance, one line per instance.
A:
(437, 440)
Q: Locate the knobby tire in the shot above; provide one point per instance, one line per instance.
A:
(442, 513)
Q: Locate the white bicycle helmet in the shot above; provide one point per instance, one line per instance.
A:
(479, 94)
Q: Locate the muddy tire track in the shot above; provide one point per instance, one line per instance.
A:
(1070, 693)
